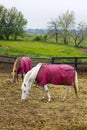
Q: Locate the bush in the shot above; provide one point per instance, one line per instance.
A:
(38, 38)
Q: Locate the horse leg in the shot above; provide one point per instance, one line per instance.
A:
(46, 91)
(22, 76)
(66, 92)
(73, 91)
(17, 77)
(44, 95)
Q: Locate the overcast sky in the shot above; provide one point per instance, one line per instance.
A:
(39, 12)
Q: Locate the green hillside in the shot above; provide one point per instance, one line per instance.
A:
(37, 49)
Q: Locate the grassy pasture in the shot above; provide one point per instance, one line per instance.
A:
(37, 49)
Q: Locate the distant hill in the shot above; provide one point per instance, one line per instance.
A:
(36, 31)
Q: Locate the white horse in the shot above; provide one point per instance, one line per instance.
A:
(32, 76)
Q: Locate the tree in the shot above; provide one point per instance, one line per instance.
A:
(66, 22)
(12, 23)
(2, 9)
(53, 29)
(6, 24)
(79, 33)
(18, 23)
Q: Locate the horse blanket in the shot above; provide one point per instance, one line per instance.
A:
(25, 65)
(55, 74)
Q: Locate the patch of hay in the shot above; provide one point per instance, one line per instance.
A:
(37, 114)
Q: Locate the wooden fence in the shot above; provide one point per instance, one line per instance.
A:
(80, 63)
(35, 60)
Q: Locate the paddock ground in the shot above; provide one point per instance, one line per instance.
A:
(37, 114)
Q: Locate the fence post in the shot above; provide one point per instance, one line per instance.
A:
(52, 60)
(76, 63)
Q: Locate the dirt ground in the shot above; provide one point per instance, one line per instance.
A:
(38, 114)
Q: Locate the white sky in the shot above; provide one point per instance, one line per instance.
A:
(39, 12)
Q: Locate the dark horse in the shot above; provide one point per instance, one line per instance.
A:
(21, 65)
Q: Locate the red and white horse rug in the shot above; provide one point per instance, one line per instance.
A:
(55, 74)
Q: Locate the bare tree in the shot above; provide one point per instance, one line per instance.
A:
(79, 33)
(66, 22)
(53, 29)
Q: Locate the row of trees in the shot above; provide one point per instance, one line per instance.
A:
(12, 23)
(66, 28)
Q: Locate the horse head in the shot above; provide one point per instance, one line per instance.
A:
(14, 76)
(15, 69)
(29, 80)
(26, 85)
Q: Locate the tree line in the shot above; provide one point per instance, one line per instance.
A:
(65, 27)
(12, 23)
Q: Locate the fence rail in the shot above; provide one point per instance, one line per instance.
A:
(7, 59)
(80, 63)
(35, 60)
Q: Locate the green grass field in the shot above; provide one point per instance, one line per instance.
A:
(37, 49)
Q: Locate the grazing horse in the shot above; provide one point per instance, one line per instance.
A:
(21, 65)
(45, 74)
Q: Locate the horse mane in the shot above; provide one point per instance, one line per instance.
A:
(16, 64)
(32, 73)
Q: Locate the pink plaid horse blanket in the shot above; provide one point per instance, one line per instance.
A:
(25, 65)
(55, 74)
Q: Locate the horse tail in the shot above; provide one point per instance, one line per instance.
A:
(76, 84)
